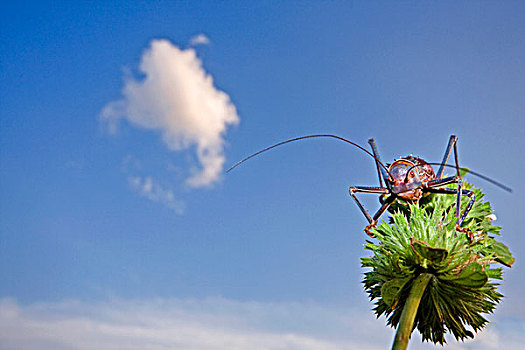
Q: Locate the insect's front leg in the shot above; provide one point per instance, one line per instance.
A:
(380, 171)
(376, 190)
(445, 181)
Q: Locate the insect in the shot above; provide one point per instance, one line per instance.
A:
(409, 179)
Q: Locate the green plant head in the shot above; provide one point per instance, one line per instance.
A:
(422, 238)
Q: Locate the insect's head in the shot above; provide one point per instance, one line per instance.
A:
(404, 179)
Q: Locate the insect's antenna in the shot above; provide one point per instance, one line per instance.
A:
(486, 178)
(308, 137)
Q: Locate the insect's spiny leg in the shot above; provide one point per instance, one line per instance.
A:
(451, 143)
(469, 205)
(380, 171)
(441, 182)
(365, 189)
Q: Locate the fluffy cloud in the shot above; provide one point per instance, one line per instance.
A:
(177, 98)
(212, 324)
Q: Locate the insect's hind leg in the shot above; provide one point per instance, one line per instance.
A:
(452, 144)
(375, 190)
(462, 192)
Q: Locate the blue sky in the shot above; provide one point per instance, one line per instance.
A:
(104, 211)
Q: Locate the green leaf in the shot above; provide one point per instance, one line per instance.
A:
(494, 273)
(424, 250)
(391, 291)
(471, 276)
(503, 254)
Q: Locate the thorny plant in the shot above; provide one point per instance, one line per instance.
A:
(422, 239)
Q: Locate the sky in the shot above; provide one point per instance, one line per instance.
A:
(119, 226)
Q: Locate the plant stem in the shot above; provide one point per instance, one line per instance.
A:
(406, 322)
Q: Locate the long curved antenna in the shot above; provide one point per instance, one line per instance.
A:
(486, 178)
(308, 137)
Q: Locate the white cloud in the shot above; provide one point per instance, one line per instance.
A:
(148, 188)
(177, 98)
(199, 39)
(212, 324)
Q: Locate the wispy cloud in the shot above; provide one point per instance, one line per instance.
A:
(211, 324)
(199, 39)
(177, 98)
(148, 188)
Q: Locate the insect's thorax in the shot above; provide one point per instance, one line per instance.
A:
(408, 175)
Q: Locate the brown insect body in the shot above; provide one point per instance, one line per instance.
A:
(407, 177)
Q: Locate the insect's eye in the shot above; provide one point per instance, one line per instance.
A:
(411, 174)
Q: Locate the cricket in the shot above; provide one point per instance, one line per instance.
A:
(407, 179)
